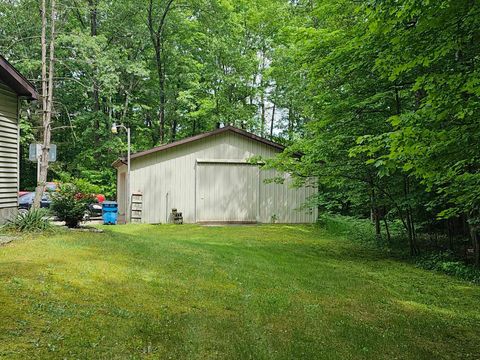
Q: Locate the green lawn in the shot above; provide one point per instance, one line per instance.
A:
(191, 292)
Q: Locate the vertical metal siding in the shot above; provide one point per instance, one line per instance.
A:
(227, 192)
(172, 172)
(284, 202)
(121, 192)
(9, 140)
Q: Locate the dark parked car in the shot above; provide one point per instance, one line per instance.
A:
(95, 209)
(25, 202)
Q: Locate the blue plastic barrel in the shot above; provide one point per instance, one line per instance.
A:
(110, 212)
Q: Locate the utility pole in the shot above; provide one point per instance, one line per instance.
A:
(127, 203)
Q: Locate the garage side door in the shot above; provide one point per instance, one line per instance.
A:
(227, 192)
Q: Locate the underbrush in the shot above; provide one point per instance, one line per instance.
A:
(363, 231)
(446, 263)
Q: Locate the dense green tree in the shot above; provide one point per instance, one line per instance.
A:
(167, 69)
(389, 95)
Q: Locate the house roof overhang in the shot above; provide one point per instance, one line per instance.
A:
(119, 162)
(16, 81)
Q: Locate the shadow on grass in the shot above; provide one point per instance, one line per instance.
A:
(191, 292)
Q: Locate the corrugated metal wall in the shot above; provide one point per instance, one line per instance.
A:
(284, 202)
(8, 152)
(227, 192)
(174, 179)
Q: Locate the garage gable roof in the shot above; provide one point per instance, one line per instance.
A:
(16, 81)
(203, 136)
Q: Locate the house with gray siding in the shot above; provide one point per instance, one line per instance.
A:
(209, 179)
(13, 87)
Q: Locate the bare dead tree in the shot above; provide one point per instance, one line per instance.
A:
(47, 96)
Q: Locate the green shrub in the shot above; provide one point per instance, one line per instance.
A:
(34, 220)
(349, 227)
(85, 185)
(446, 263)
(69, 204)
(363, 231)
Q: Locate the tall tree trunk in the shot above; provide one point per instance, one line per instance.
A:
(375, 214)
(93, 17)
(262, 124)
(475, 242)
(161, 86)
(450, 234)
(174, 129)
(387, 229)
(312, 11)
(412, 238)
(96, 92)
(290, 123)
(272, 123)
(476, 248)
(378, 232)
(408, 222)
(409, 233)
(47, 98)
(161, 116)
(263, 85)
(157, 37)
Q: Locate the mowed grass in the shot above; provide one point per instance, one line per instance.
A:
(244, 292)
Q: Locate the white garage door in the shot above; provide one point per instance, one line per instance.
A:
(227, 192)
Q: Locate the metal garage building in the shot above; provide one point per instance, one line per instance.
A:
(208, 178)
(13, 86)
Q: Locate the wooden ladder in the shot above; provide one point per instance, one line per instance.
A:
(136, 208)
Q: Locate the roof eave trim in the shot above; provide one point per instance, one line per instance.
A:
(119, 162)
(20, 82)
